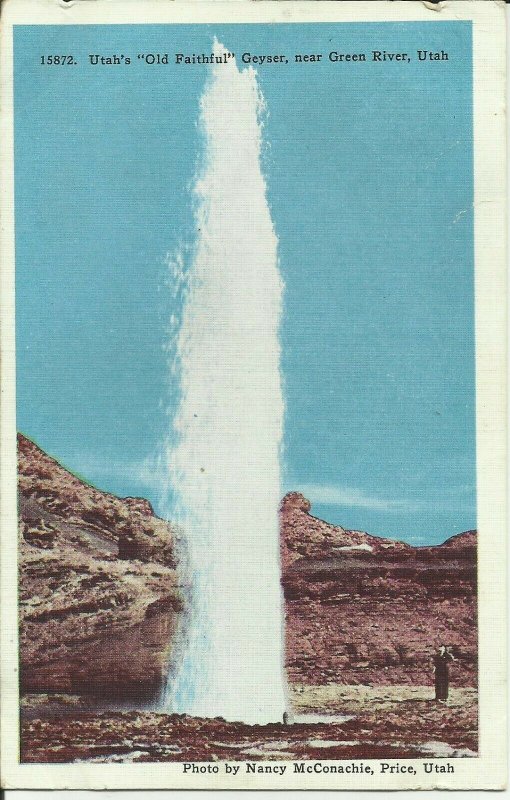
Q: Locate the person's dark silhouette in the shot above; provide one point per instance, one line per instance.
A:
(441, 677)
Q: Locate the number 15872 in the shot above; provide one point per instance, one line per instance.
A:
(57, 61)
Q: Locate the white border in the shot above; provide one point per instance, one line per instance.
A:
(488, 16)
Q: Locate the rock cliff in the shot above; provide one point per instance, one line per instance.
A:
(100, 599)
(362, 609)
(99, 595)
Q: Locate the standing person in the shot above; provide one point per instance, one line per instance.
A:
(441, 677)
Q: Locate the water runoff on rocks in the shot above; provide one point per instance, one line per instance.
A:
(225, 463)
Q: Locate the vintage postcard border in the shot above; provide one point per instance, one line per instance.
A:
(488, 16)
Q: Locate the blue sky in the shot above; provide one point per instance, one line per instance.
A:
(369, 173)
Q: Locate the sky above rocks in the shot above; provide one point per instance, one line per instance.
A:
(369, 175)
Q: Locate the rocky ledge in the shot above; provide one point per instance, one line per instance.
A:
(99, 594)
(362, 609)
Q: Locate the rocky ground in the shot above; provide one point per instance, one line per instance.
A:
(363, 723)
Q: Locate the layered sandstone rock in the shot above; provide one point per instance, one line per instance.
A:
(99, 594)
(362, 609)
(100, 598)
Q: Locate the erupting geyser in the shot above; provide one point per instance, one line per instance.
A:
(225, 466)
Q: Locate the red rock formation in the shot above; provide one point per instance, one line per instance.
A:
(364, 609)
(99, 596)
(100, 600)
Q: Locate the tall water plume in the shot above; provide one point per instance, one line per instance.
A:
(225, 467)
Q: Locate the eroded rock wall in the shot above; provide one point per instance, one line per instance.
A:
(99, 593)
(100, 599)
(362, 609)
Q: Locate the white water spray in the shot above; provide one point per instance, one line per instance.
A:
(226, 465)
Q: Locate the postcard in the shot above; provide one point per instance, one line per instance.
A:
(253, 395)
